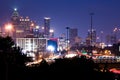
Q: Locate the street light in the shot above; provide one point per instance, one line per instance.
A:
(91, 14)
(91, 26)
(8, 28)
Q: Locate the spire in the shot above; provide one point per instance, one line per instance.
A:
(15, 17)
(15, 13)
(15, 9)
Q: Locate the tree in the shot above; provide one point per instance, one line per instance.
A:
(12, 60)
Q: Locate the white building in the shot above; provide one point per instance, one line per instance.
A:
(32, 45)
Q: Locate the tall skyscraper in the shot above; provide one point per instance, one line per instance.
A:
(46, 26)
(73, 33)
(92, 36)
(15, 22)
(15, 17)
(21, 25)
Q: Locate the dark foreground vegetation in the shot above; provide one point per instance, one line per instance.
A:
(12, 67)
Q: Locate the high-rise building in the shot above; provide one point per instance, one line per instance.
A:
(46, 26)
(31, 46)
(51, 33)
(15, 17)
(22, 26)
(73, 33)
(92, 36)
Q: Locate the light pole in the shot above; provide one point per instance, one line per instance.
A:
(91, 26)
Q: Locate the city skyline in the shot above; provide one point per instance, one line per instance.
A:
(67, 13)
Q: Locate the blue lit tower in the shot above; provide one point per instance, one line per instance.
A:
(46, 26)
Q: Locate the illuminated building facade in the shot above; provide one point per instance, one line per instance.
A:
(62, 42)
(51, 33)
(29, 36)
(22, 26)
(52, 44)
(91, 37)
(32, 45)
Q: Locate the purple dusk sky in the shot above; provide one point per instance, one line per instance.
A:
(67, 13)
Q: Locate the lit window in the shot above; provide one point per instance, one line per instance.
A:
(22, 19)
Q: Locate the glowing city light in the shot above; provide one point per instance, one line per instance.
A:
(15, 9)
(43, 28)
(46, 17)
(70, 55)
(32, 24)
(51, 30)
(50, 48)
(114, 70)
(37, 27)
(8, 27)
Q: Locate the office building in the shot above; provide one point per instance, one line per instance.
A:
(22, 26)
(73, 33)
(32, 45)
(46, 26)
(91, 37)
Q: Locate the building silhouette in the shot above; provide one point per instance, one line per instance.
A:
(73, 33)
(46, 26)
(91, 37)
